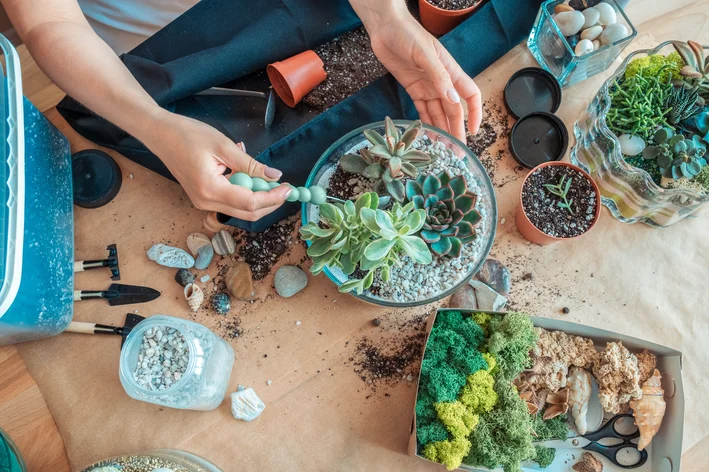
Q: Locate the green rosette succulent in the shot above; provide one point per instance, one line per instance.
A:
(676, 156)
(390, 159)
(696, 69)
(451, 216)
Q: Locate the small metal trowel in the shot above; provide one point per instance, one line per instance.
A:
(118, 294)
(269, 97)
(94, 328)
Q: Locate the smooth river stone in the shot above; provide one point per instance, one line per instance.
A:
(631, 145)
(592, 33)
(562, 7)
(607, 14)
(290, 280)
(613, 33)
(196, 241)
(168, 256)
(205, 254)
(223, 243)
(583, 47)
(486, 297)
(496, 275)
(569, 22)
(239, 281)
(591, 15)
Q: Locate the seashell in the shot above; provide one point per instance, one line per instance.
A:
(588, 463)
(649, 409)
(579, 382)
(223, 243)
(196, 241)
(194, 296)
(169, 256)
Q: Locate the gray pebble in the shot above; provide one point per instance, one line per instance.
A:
(290, 280)
(204, 257)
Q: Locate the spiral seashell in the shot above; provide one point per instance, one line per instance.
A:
(194, 296)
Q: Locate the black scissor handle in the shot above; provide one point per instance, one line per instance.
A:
(608, 430)
(611, 453)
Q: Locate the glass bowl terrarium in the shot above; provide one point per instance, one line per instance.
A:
(155, 459)
(407, 186)
(636, 188)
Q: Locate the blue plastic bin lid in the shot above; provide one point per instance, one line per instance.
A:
(12, 176)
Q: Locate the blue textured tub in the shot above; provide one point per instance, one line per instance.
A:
(36, 216)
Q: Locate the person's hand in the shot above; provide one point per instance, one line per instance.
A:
(430, 75)
(199, 155)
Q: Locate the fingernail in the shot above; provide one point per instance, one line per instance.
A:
(453, 95)
(272, 173)
(241, 145)
(288, 192)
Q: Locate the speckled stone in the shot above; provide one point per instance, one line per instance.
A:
(168, 256)
(290, 280)
(223, 243)
(204, 257)
(221, 303)
(496, 275)
(184, 277)
(239, 281)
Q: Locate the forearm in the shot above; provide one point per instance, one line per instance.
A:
(376, 13)
(80, 63)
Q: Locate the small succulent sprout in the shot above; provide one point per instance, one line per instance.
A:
(390, 159)
(561, 190)
(450, 214)
(696, 69)
(699, 125)
(684, 102)
(676, 156)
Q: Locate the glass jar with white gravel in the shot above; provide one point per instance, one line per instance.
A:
(176, 363)
(413, 284)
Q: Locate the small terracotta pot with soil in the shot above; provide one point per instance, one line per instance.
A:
(441, 16)
(295, 77)
(558, 201)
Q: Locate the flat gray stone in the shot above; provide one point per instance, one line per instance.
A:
(496, 275)
(246, 405)
(169, 256)
(290, 280)
(486, 298)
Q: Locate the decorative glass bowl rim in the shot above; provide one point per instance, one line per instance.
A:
(473, 161)
(633, 32)
(616, 157)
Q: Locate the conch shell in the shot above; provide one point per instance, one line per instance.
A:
(194, 296)
(579, 382)
(559, 404)
(649, 409)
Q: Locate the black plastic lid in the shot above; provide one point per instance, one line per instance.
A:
(97, 178)
(532, 90)
(538, 138)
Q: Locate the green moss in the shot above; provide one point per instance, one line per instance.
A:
(478, 394)
(448, 453)
(555, 428)
(441, 381)
(544, 456)
(483, 320)
(503, 437)
(512, 337)
(431, 432)
(703, 178)
(649, 66)
(458, 419)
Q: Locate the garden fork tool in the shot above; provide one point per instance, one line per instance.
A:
(111, 262)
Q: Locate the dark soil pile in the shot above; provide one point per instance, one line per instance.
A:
(262, 250)
(388, 363)
(453, 4)
(350, 64)
(344, 185)
(542, 207)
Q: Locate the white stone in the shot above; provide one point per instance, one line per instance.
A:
(592, 33)
(591, 15)
(631, 145)
(583, 47)
(614, 33)
(487, 298)
(596, 44)
(246, 405)
(168, 256)
(607, 14)
(569, 22)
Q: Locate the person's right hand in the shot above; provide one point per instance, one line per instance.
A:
(199, 155)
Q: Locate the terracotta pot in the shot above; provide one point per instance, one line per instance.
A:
(532, 233)
(214, 222)
(293, 78)
(439, 21)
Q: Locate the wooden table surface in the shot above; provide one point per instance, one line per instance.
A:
(23, 412)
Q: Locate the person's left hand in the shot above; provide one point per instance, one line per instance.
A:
(430, 75)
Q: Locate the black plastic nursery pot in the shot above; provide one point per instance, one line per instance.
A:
(665, 451)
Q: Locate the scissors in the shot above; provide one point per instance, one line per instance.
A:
(590, 442)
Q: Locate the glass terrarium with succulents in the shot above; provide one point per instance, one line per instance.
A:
(644, 137)
(411, 214)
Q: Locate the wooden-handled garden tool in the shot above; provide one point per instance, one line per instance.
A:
(118, 294)
(95, 328)
(111, 262)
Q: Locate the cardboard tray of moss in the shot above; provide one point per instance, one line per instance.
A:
(471, 410)
(418, 169)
